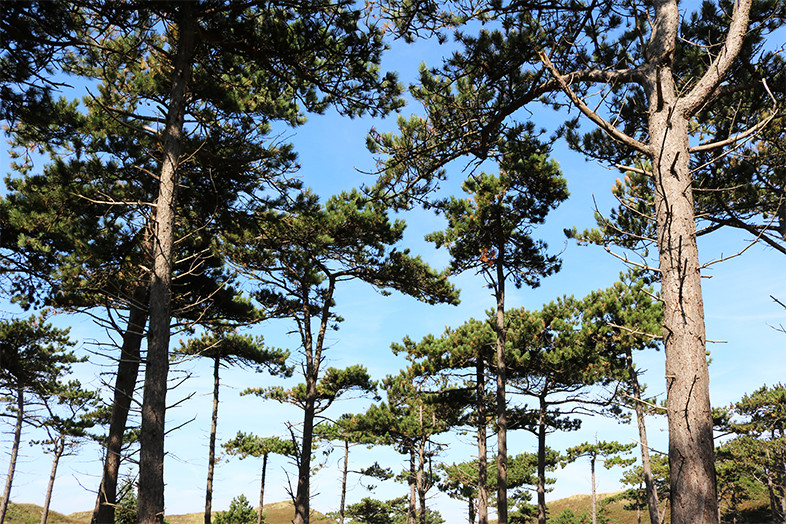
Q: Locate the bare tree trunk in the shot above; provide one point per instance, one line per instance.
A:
(262, 489)
(480, 385)
(344, 482)
(691, 446)
(653, 505)
(304, 466)
(59, 450)
(412, 510)
(471, 509)
(594, 493)
(211, 460)
(20, 414)
(150, 509)
(501, 369)
(125, 384)
(421, 478)
(541, 486)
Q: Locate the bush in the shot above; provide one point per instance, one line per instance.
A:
(240, 512)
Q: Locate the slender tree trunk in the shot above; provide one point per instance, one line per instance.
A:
(20, 414)
(262, 489)
(480, 385)
(344, 482)
(125, 384)
(653, 504)
(471, 509)
(421, 478)
(412, 510)
(304, 467)
(502, 417)
(211, 460)
(594, 493)
(150, 508)
(541, 486)
(59, 450)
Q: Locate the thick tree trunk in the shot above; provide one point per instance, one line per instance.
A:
(344, 483)
(480, 385)
(125, 384)
(653, 504)
(691, 449)
(150, 507)
(262, 489)
(211, 460)
(501, 405)
(20, 414)
(541, 486)
(59, 450)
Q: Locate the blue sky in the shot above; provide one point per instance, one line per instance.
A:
(738, 308)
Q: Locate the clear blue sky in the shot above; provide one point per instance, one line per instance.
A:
(738, 307)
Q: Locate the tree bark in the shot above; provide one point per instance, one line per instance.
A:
(125, 384)
(211, 460)
(480, 384)
(501, 404)
(421, 477)
(594, 493)
(541, 486)
(262, 489)
(150, 507)
(412, 510)
(20, 413)
(653, 505)
(59, 450)
(344, 482)
(691, 449)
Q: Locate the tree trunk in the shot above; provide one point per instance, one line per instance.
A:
(125, 384)
(211, 460)
(421, 478)
(471, 509)
(344, 482)
(304, 466)
(501, 407)
(594, 493)
(412, 510)
(20, 413)
(541, 486)
(59, 450)
(262, 489)
(480, 384)
(150, 507)
(653, 504)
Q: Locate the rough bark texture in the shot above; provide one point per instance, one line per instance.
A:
(211, 459)
(594, 492)
(653, 505)
(501, 407)
(125, 383)
(480, 384)
(59, 450)
(411, 511)
(150, 507)
(691, 450)
(20, 414)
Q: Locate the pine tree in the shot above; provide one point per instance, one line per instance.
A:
(653, 93)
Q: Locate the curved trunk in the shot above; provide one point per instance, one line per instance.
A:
(20, 413)
(211, 460)
(150, 507)
(59, 450)
(125, 383)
